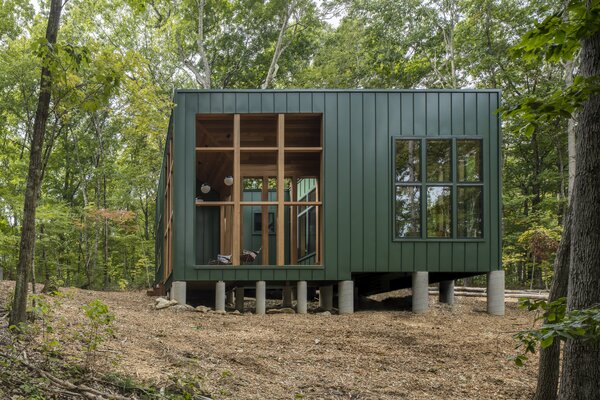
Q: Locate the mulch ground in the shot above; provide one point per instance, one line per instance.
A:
(381, 352)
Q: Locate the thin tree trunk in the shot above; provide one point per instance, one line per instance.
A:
(547, 383)
(279, 47)
(580, 377)
(19, 309)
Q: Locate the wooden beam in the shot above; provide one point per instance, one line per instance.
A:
(213, 149)
(214, 203)
(222, 230)
(236, 190)
(319, 212)
(293, 223)
(265, 221)
(280, 189)
(303, 149)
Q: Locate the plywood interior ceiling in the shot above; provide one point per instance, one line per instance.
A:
(258, 140)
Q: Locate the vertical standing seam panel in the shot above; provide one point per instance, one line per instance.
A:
(305, 102)
(495, 184)
(356, 183)
(419, 114)
(408, 129)
(216, 103)
(254, 103)
(432, 114)
(280, 102)
(241, 103)
(483, 124)
(267, 102)
(394, 128)
(470, 115)
(178, 201)
(457, 114)
(229, 103)
(382, 183)
(445, 118)
(343, 186)
(368, 181)
(330, 189)
(189, 194)
(293, 102)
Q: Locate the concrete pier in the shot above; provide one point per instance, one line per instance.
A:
(179, 292)
(301, 294)
(261, 297)
(420, 292)
(326, 297)
(239, 299)
(287, 294)
(447, 292)
(346, 297)
(220, 296)
(495, 292)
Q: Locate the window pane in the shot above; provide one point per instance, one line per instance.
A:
(438, 160)
(408, 211)
(408, 160)
(439, 211)
(469, 160)
(470, 212)
(312, 230)
(302, 236)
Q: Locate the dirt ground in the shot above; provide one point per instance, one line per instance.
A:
(381, 352)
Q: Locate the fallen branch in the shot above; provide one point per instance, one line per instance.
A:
(64, 386)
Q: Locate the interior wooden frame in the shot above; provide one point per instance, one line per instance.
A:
(260, 146)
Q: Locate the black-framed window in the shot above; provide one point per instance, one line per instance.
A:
(438, 188)
(257, 223)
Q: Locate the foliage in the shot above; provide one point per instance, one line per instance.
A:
(559, 324)
(99, 327)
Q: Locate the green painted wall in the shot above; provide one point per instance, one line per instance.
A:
(358, 127)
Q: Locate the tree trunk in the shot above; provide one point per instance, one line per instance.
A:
(18, 314)
(580, 377)
(547, 384)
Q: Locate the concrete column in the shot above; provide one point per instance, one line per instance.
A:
(229, 299)
(239, 299)
(495, 292)
(420, 292)
(287, 296)
(346, 297)
(179, 292)
(220, 296)
(261, 297)
(326, 297)
(301, 294)
(447, 292)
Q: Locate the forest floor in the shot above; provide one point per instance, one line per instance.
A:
(381, 352)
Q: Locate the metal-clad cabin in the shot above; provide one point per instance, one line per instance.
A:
(371, 190)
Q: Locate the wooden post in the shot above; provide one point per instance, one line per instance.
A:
(222, 230)
(265, 221)
(236, 190)
(280, 189)
(293, 224)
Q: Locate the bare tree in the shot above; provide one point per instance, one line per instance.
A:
(201, 72)
(26, 250)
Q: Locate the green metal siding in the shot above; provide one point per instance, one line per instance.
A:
(358, 127)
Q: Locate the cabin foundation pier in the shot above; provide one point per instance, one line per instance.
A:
(346, 297)
(326, 297)
(287, 296)
(179, 292)
(495, 292)
(220, 296)
(447, 292)
(420, 292)
(261, 297)
(239, 299)
(301, 296)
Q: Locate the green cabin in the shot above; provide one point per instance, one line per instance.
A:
(371, 190)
